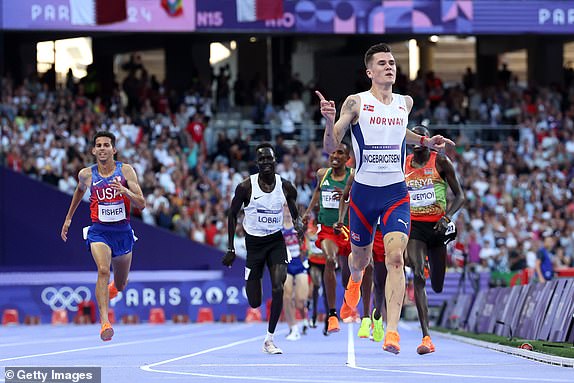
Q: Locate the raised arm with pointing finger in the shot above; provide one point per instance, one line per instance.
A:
(335, 131)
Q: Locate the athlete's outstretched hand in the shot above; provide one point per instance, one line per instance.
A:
(442, 225)
(228, 258)
(438, 142)
(338, 228)
(65, 227)
(328, 109)
(300, 229)
(306, 218)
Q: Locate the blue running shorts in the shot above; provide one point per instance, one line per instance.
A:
(391, 203)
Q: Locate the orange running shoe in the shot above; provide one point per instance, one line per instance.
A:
(112, 290)
(392, 342)
(426, 347)
(346, 313)
(107, 332)
(333, 324)
(353, 292)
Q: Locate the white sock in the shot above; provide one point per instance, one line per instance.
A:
(269, 336)
(295, 328)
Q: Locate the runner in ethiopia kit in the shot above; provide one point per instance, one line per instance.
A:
(428, 174)
(114, 186)
(330, 184)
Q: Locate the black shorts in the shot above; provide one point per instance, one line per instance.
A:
(269, 250)
(425, 232)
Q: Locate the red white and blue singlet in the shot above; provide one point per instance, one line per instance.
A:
(107, 206)
(379, 189)
(110, 213)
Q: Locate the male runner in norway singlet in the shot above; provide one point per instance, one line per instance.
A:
(330, 184)
(427, 175)
(378, 119)
(114, 186)
(263, 196)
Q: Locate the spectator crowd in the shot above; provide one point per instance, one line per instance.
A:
(519, 189)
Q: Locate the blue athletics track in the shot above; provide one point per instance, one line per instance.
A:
(230, 352)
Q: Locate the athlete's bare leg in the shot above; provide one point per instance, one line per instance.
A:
(415, 259)
(278, 276)
(437, 267)
(288, 304)
(379, 280)
(345, 271)
(253, 290)
(366, 288)
(301, 292)
(317, 279)
(359, 259)
(395, 245)
(121, 266)
(102, 255)
(330, 250)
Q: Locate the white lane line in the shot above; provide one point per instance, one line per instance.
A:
(190, 335)
(351, 362)
(254, 365)
(150, 367)
(482, 377)
(62, 337)
(66, 338)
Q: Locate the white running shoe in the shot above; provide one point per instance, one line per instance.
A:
(270, 348)
(293, 335)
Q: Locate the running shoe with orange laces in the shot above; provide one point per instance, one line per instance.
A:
(346, 312)
(333, 324)
(426, 347)
(113, 291)
(392, 342)
(353, 292)
(107, 332)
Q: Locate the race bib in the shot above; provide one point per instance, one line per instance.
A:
(450, 229)
(112, 212)
(270, 218)
(425, 196)
(381, 158)
(330, 199)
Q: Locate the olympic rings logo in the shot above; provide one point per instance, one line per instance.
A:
(65, 297)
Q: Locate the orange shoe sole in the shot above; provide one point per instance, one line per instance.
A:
(353, 293)
(391, 343)
(113, 292)
(423, 349)
(107, 332)
(333, 325)
(392, 348)
(346, 313)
